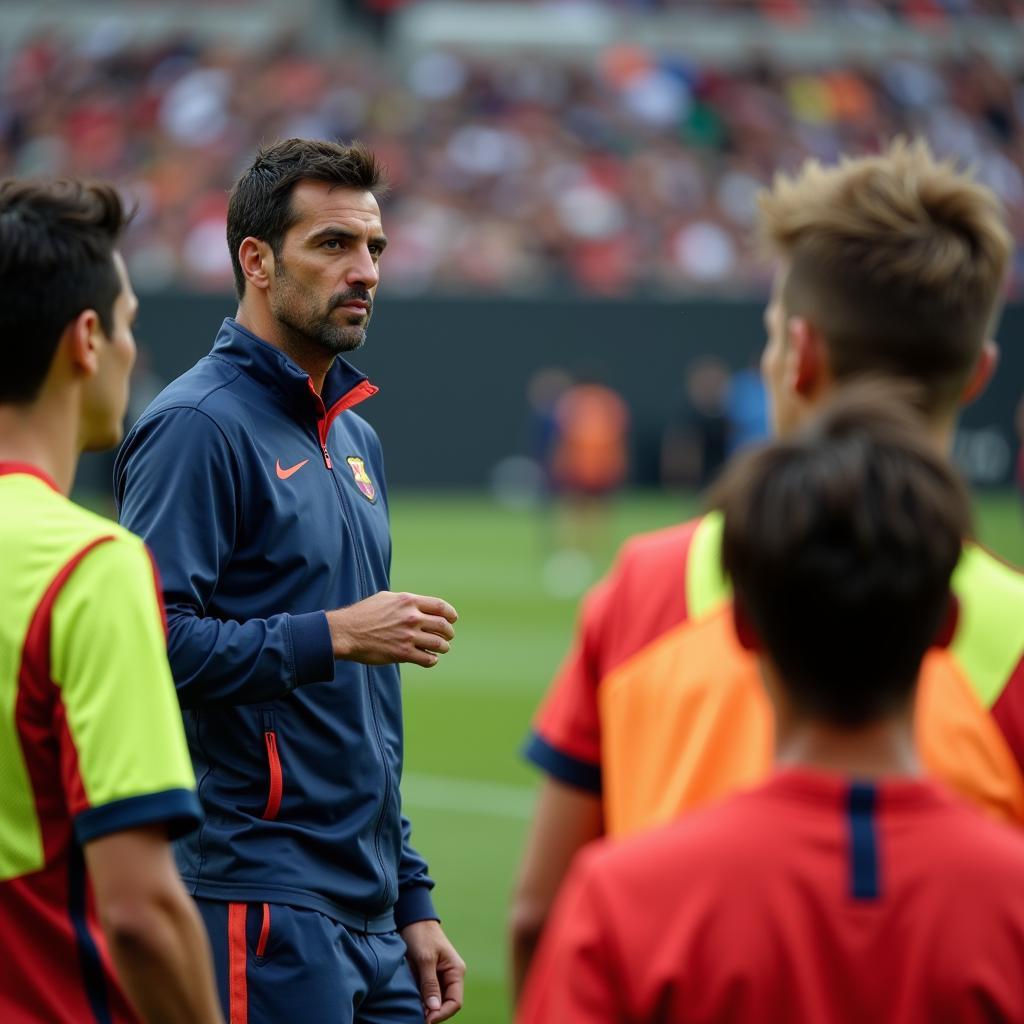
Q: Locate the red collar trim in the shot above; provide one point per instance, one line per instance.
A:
(360, 393)
(25, 468)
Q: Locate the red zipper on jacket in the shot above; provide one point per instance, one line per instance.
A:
(276, 777)
(363, 390)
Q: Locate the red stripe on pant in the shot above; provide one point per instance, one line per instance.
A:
(238, 997)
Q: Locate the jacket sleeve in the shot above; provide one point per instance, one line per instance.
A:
(179, 486)
(414, 885)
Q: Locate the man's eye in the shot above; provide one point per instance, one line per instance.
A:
(331, 243)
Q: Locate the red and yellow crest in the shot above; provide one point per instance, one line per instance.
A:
(362, 478)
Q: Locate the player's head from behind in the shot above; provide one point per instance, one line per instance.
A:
(305, 235)
(840, 541)
(66, 305)
(887, 265)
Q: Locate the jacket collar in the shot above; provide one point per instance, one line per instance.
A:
(344, 385)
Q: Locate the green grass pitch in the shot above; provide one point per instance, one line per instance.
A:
(466, 790)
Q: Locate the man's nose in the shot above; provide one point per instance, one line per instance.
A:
(363, 269)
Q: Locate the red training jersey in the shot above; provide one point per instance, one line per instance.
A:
(810, 898)
(659, 710)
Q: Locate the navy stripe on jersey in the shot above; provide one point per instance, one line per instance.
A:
(861, 803)
(564, 767)
(88, 955)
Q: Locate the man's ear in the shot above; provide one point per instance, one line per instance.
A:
(808, 366)
(947, 627)
(256, 259)
(745, 632)
(984, 368)
(81, 339)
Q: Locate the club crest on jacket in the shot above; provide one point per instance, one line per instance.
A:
(362, 478)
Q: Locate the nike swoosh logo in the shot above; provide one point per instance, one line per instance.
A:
(283, 474)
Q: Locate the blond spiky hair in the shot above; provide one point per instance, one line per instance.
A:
(897, 258)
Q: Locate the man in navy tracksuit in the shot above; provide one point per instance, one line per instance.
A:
(261, 494)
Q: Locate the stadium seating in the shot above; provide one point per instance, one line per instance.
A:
(619, 171)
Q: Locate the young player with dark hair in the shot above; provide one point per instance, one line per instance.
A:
(891, 265)
(94, 772)
(846, 888)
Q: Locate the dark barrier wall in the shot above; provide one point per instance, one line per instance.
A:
(453, 372)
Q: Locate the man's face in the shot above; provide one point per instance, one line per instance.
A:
(781, 402)
(105, 396)
(326, 276)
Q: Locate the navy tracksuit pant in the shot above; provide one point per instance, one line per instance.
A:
(277, 964)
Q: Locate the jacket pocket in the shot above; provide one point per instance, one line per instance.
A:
(275, 778)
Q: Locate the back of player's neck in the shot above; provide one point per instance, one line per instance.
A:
(46, 442)
(941, 432)
(881, 749)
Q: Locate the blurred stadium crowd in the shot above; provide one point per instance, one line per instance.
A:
(921, 11)
(623, 172)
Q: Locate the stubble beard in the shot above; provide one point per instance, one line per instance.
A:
(312, 328)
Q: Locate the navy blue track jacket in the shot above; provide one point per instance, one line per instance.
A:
(264, 505)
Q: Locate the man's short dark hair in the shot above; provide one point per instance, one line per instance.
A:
(57, 241)
(260, 203)
(840, 543)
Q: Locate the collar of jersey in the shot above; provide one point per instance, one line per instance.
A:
(273, 370)
(27, 469)
(816, 785)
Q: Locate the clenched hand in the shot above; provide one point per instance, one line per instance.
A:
(391, 628)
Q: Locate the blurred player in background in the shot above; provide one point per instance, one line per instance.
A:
(696, 440)
(262, 495)
(846, 888)
(887, 265)
(589, 463)
(94, 771)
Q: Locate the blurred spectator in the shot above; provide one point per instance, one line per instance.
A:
(629, 171)
(696, 440)
(543, 394)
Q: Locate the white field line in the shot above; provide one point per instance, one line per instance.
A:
(465, 796)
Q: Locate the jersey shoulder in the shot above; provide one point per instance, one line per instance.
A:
(643, 595)
(712, 842)
(50, 547)
(989, 641)
(660, 558)
(981, 570)
(648, 551)
(975, 862)
(41, 522)
(665, 577)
